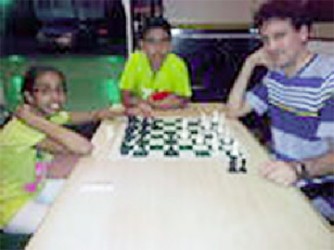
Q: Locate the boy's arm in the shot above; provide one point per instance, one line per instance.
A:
(129, 99)
(132, 102)
(236, 104)
(58, 135)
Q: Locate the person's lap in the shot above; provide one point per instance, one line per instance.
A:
(29, 217)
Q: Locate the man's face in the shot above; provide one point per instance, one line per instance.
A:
(156, 44)
(283, 43)
(48, 95)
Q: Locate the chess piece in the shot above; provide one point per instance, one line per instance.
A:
(242, 168)
(233, 164)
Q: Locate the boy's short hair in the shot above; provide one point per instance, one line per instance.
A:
(155, 22)
(293, 10)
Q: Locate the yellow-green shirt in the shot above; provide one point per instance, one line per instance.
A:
(18, 157)
(139, 78)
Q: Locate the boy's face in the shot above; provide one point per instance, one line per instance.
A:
(283, 43)
(156, 44)
(48, 95)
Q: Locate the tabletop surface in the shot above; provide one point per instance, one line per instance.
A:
(114, 203)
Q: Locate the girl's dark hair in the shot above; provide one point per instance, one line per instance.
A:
(293, 10)
(33, 73)
(155, 22)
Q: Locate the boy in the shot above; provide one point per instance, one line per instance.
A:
(155, 78)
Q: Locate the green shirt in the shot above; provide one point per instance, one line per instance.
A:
(18, 158)
(139, 78)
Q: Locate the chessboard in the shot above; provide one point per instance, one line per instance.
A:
(176, 137)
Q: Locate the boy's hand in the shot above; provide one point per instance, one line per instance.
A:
(145, 109)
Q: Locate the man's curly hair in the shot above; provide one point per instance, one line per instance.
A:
(293, 10)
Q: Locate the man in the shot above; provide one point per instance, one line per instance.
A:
(297, 93)
(155, 78)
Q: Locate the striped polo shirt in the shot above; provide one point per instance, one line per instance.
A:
(301, 108)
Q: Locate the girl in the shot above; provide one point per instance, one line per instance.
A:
(25, 141)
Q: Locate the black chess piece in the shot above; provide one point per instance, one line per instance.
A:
(233, 165)
(171, 152)
(242, 168)
(140, 149)
(125, 149)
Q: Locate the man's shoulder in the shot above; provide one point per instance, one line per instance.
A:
(323, 65)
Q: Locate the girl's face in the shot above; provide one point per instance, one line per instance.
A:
(48, 95)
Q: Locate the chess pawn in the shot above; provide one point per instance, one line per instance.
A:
(222, 118)
(184, 124)
(220, 129)
(227, 136)
(235, 149)
(184, 134)
(215, 143)
(215, 117)
(200, 139)
(202, 119)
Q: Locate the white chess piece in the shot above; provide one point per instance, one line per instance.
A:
(184, 132)
(184, 124)
(227, 136)
(203, 118)
(235, 148)
(200, 139)
(220, 129)
(222, 118)
(215, 116)
(215, 143)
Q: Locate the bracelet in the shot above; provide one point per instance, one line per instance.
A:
(301, 170)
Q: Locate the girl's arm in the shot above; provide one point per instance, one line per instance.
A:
(97, 115)
(59, 139)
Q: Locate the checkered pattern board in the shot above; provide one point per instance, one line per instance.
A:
(176, 137)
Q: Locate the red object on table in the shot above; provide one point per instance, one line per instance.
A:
(158, 96)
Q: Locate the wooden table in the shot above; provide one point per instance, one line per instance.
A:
(109, 203)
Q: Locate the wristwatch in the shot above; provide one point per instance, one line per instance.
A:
(301, 170)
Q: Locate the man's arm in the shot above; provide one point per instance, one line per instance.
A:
(236, 103)
(287, 173)
(320, 166)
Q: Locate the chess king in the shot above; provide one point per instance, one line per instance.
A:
(153, 77)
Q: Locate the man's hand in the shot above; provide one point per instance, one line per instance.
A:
(259, 58)
(280, 172)
(236, 103)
